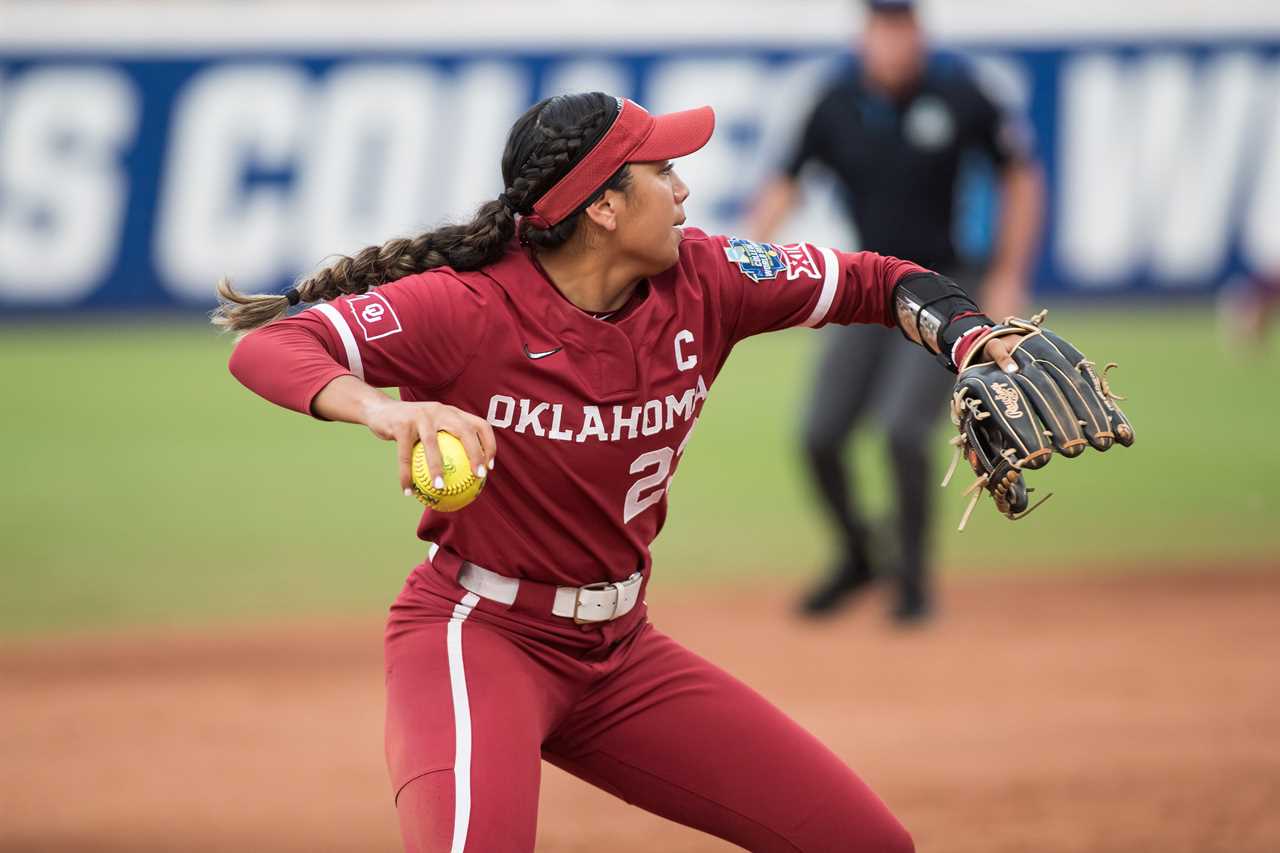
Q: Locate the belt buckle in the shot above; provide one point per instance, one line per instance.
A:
(595, 587)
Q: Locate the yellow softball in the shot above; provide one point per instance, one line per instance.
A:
(461, 485)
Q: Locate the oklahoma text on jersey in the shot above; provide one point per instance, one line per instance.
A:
(595, 422)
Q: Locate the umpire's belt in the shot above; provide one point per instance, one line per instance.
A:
(595, 602)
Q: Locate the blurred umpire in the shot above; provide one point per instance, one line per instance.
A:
(894, 131)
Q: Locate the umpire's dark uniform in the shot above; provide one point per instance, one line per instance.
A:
(897, 162)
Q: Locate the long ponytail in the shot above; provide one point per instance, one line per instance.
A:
(463, 247)
(544, 144)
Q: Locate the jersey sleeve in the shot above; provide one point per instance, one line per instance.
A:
(420, 332)
(808, 145)
(764, 287)
(1000, 130)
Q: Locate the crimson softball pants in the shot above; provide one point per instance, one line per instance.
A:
(478, 694)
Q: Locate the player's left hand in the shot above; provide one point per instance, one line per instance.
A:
(1022, 393)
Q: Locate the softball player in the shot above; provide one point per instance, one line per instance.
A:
(575, 326)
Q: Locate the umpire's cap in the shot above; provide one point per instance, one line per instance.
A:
(891, 6)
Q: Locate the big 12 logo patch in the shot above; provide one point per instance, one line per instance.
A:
(799, 261)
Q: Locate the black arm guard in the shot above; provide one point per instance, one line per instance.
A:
(927, 305)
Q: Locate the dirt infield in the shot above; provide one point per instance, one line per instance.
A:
(1138, 714)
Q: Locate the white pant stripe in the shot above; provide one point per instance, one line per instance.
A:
(461, 724)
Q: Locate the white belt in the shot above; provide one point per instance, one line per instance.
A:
(595, 602)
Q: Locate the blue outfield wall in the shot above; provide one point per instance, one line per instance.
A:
(136, 181)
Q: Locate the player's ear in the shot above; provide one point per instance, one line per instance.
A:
(604, 210)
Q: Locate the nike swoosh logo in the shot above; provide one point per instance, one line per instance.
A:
(537, 355)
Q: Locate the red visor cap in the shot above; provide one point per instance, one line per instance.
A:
(634, 137)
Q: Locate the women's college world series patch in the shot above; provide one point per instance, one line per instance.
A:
(758, 261)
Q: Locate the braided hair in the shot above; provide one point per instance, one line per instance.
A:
(543, 145)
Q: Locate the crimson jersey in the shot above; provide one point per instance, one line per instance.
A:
(591, 414)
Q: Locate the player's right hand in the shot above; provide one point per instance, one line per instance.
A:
(408, 423)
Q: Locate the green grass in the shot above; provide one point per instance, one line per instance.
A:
(143, 485)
